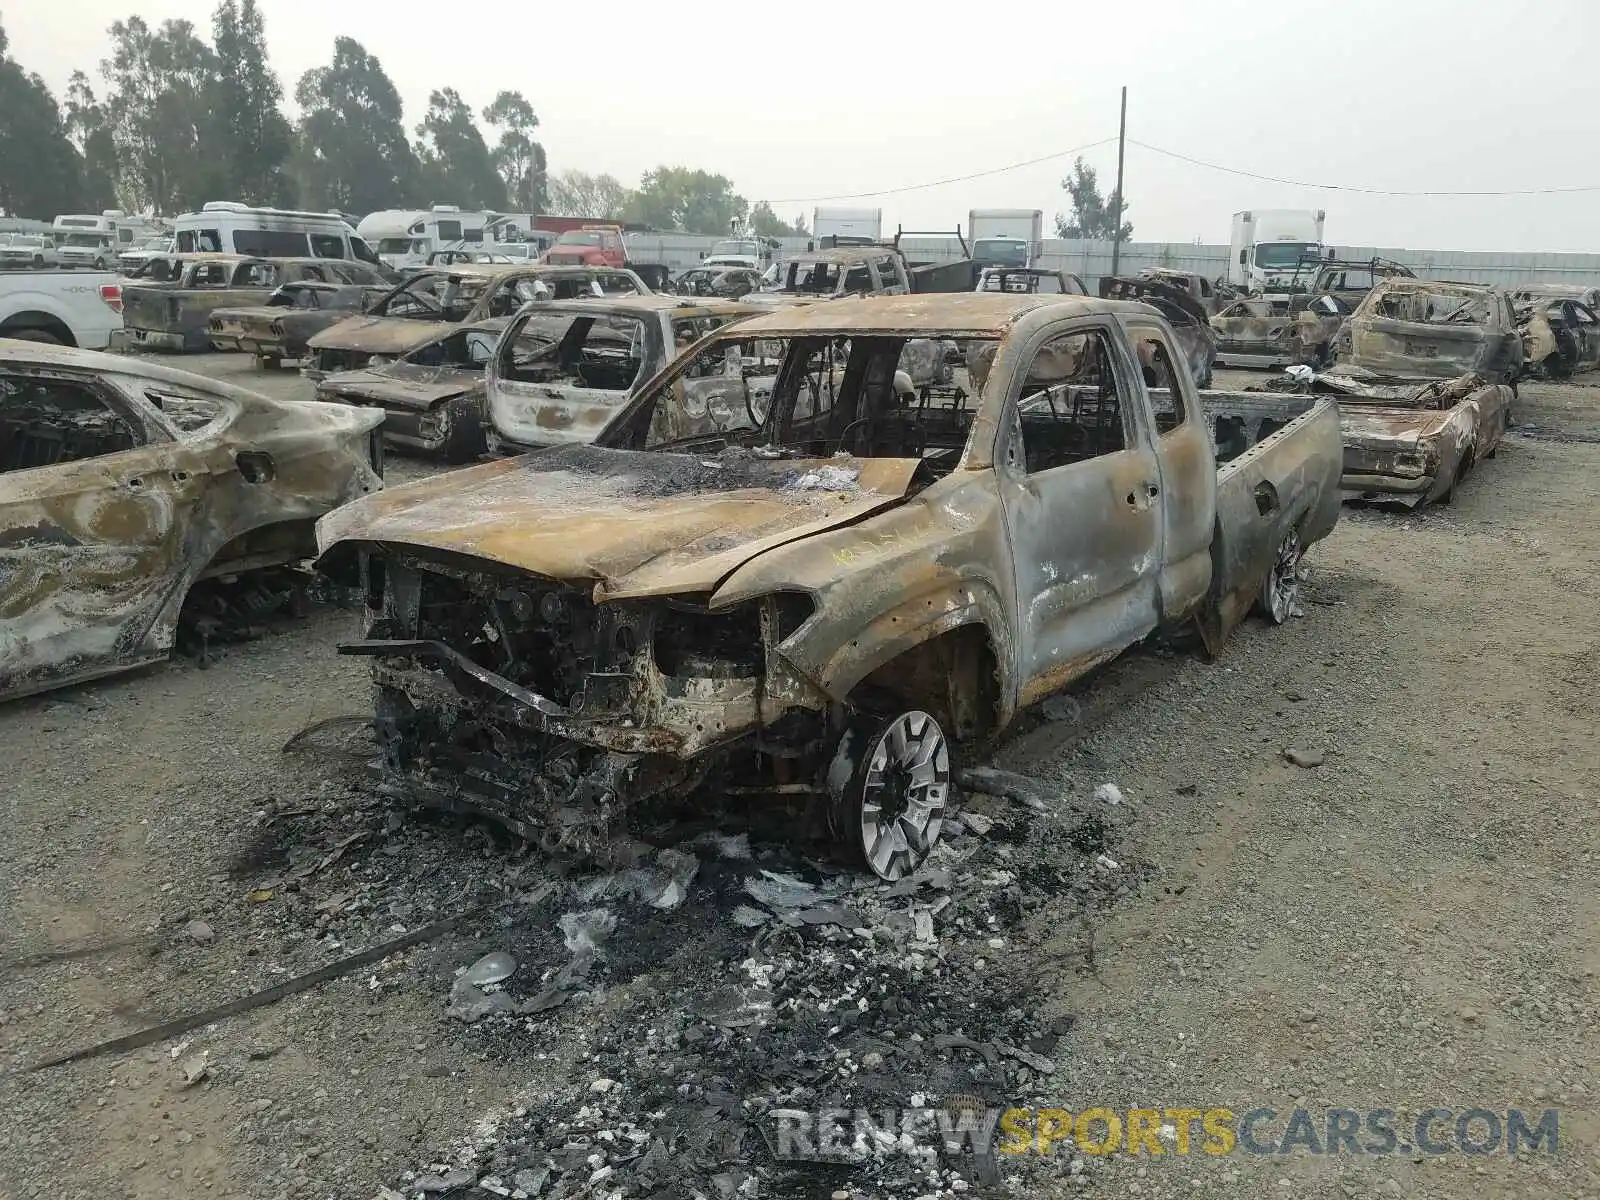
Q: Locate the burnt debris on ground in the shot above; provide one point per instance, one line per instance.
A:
(721, 994)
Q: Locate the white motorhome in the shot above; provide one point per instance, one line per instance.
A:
(1268, 244)
(95, 239)
(226, 227)
(405, 237)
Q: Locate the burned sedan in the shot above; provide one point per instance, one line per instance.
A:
(1410, 442)
(1427, 329)
(1260, 332)
(290, 318)
(814, 606)
(131, 494)
(726, 282)
(566, 368)
(411, 314)
(432, 398)
(1560, 335)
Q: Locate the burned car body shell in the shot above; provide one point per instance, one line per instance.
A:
(1255, 332)
(576, 385)
(1428, 329)
(410, 314)
(432, 398)
(1560, 336)
(556, 635)
(1187, 316)
(292, 315)
(176, 316)
(728, 282)
(1410, 442)
(123, 483)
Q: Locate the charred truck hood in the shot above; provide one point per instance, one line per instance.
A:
(626, 524)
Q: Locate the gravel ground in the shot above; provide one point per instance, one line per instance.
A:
(1409, 924)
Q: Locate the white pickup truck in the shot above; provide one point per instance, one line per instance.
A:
(65, 308)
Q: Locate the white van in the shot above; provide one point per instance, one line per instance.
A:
(95, 239)
(225, 227)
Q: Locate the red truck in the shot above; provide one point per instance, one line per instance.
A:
(589, 245)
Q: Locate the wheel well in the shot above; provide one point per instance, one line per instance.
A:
(954, 676)
(41, 321)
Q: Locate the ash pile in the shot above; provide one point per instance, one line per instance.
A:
(742, 1023)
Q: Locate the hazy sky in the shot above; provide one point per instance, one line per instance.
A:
(811, 100)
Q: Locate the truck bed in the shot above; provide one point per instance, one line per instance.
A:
(1279, 459)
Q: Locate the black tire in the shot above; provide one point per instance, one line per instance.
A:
(43, 336)
(464, 439)
(889, 813)
(269, 362)
(99, 264)
(38, 262)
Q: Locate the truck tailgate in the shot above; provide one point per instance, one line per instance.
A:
(1279, 458)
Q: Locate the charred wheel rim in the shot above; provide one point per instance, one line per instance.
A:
(1282, 592)
(904, 783)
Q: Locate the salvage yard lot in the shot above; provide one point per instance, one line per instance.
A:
(1410, 924)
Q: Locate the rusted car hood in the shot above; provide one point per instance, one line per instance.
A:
(404, 385)
(633, 523)
(377, 335)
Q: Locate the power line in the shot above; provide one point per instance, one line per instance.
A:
(1338, 187)
(917, 187)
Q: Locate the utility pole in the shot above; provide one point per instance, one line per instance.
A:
(1116, 201)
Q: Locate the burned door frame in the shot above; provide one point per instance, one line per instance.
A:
(108, 535)
(1187, 464)
(1084, 538)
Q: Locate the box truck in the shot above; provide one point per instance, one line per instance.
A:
(833, 226)
(1268, 244)
(1006, 237)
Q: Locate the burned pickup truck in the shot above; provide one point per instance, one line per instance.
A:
(822, 606)
(133, 496)
(175, 315)
(410, 315)
(290, 318)
(1431, 329)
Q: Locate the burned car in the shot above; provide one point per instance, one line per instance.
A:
(1347, 281)
(1428, 329)
(566, 368)
(1258, 332)
(1410, 442)
(175, 314)
(291, 317)
(815, 607)
(723, 281)
(1183, 312)
(1202, 291)
(432, 397)
(132, 494)
(1560, 335)
(409, 315)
